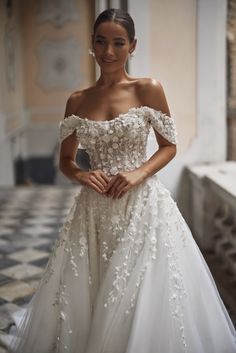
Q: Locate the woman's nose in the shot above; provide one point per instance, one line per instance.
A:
(109, 49)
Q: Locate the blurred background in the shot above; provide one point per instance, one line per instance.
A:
(187, 45)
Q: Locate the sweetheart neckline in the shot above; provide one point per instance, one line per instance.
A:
(119, 116)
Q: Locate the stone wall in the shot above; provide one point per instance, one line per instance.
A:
(44, 58)
(212, 209)
(231, 78)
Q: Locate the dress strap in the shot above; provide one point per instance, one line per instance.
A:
(67, 126)
(163, 124)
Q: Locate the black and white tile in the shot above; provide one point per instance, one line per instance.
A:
(30, 219)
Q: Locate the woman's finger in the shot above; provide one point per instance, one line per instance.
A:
(118, 188)
(111, 183)
(113, 187)
(95, 187)
(105, 177)
(123, 191)
(102, 180)
(97, 182)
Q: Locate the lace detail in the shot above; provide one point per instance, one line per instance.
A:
(131, 240)
(60, 303)
(163, 124)
(67, 126)
(177, 290)
(119, 144)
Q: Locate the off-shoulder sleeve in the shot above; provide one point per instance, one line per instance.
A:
(163, 124)
(67, 127)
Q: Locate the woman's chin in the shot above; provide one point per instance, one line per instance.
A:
(111, 68)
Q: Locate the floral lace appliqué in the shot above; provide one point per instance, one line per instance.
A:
(119, 144)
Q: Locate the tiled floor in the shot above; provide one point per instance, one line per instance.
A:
(29, 222)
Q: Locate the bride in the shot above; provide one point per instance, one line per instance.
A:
(125, 274)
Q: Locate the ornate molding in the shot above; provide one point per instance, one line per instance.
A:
(10, 59)
(59, 64)
(57, 12)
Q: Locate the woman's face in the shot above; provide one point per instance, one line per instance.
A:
(111, 46)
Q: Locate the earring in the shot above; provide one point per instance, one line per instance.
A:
(131, 55)
(91, 52)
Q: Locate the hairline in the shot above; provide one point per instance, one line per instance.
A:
(116, 38)
(113, 19)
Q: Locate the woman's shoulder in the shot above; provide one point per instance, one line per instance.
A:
(75, 99)
(149, 85)
(151, 93)
(78, 95)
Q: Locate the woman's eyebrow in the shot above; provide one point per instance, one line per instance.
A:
(116, 38)
(119, 38)
(99, 36)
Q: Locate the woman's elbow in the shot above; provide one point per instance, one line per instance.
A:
(60, 165)
(62, 161)
(173, 151)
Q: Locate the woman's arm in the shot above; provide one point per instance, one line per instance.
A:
(69, 146)
(155, 98)
(95, 179)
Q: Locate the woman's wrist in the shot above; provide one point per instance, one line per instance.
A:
(71, 170)
(144, 172)
(78, 174)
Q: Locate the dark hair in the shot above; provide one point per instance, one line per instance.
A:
(119, 16)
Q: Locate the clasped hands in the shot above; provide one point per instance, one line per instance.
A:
(115, 186)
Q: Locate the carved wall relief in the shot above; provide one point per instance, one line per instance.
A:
(10, 59)
(57, 12)
(59, 64)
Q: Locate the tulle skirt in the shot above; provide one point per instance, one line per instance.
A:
(124, 276)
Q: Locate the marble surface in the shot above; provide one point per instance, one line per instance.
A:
(30, 219)
(222, 174)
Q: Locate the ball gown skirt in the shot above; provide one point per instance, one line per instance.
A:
(125, 275)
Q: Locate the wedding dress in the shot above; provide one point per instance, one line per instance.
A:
(125, 275)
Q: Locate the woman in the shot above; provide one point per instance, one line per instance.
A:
(125, 274)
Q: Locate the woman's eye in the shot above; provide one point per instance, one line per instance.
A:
(99, 41)
(119, 44)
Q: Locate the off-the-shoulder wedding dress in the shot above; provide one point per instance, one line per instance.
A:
(125, 275)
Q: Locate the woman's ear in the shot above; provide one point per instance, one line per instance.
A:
(133, 45)
(92, 40)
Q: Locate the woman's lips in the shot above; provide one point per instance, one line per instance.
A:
(108, 61)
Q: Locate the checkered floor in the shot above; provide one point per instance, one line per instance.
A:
(30, 218)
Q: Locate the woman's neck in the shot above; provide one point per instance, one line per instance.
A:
(112, 78)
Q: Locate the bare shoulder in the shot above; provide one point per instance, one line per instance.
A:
(151, 93)
(74, 101)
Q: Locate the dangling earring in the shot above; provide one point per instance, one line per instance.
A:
(91, 52)
(131, 55)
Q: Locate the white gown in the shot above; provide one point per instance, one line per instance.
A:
(125, 275)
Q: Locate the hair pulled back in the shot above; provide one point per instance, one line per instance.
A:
(118, 16)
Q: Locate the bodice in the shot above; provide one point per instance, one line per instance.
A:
(118, 144)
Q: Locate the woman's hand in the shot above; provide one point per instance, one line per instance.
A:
(122, 182)
(96, 179)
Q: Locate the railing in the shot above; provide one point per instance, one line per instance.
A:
(212, 213)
